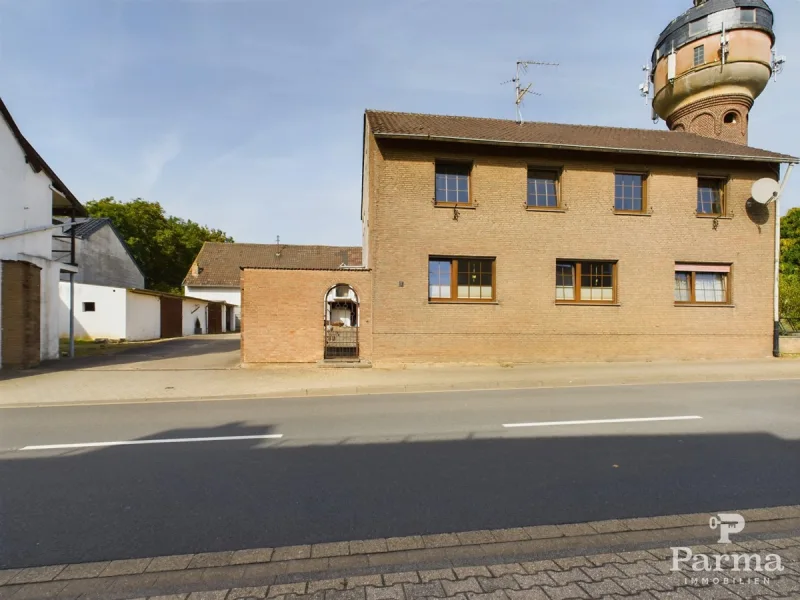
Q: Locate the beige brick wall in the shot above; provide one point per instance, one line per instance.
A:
(526, 324)
(282, 313)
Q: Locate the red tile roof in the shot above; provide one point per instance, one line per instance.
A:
(219, 264)
(556, 135)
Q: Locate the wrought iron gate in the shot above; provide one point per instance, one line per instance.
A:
(341, 337)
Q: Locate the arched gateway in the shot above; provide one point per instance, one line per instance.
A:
(341, 321)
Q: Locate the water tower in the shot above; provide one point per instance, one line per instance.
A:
(710, 64)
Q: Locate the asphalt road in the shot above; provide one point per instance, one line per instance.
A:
(383, 465)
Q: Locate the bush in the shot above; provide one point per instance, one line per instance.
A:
(790, 297)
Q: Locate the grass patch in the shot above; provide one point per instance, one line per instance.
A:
(85, 347)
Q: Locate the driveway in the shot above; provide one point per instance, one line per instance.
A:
(205, 352)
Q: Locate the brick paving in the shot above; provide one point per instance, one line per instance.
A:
(639, 575)
(604, 560)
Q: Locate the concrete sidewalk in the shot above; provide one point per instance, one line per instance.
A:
(625, 558)
(143, 381)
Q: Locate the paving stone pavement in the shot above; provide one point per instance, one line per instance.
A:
(639, 575)
(628, 558)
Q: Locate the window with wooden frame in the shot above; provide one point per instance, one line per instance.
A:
(711, 196)
(699, 55)
(702, 284)
(543, 188)
(630, 192)
(586, 281)
(461, 279)
(452, 183)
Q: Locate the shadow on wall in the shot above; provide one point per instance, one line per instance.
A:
(141, 501)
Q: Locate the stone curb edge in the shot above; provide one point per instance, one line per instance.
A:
(376, 390)
(310, 557)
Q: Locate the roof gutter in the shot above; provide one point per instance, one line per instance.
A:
(488, 142)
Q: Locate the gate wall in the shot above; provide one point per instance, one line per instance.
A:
(283, 313)
(20, 294)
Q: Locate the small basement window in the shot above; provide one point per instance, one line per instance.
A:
(88, 307)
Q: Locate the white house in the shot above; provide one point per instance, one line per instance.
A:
(102, 254)
(216, 271)
(118, 313)
(31, 195)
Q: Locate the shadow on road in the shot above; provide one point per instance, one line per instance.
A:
(157, 350)
(141, 501)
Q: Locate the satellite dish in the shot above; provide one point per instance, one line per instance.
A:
(765, 190)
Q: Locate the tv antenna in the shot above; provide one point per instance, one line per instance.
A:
(521, 92)
(778, 63)
(644, 88)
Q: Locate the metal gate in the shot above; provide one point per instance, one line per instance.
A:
(341, 342)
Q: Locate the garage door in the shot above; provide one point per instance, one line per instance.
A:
(171, 317)
(214, 318)
(20, 294)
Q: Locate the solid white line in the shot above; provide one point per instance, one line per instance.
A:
(601, 421)
(273, 436)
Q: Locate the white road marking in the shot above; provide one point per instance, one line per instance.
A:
(601, 421)
(273, 436)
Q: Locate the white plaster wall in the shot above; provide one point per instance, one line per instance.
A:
(194, 309)
(142, 317)
(108, 319)
(232, 295)
(26, 201)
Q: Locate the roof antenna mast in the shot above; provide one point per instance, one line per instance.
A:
(519, 91)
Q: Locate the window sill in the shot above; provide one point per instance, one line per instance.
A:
(632, 213)
(455, 205)
(584, 303)
(705, 304)
(554, 209)
(470, 302)
(722, 217)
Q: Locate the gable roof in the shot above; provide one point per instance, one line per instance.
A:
(89, 227)
(567, 137)
(38, 163)
(219, 264)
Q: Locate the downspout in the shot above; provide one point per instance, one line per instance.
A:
(72, 287)
(776, 309)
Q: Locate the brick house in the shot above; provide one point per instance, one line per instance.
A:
(488, 240)
(216, 270)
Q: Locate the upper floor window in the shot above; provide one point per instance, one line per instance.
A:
(699, 55)
(702, 284)
(710, 196)
(747, 15)
(452, 183)
(698, 27)
(582, 281)
(542, 189)
(468, 279)
(629, 192)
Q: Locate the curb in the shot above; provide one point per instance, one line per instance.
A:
(119, 579)
(377, 390)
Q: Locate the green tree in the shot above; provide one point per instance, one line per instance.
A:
(790, 242)
(163, 246)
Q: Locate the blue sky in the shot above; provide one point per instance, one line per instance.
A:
(246, 115)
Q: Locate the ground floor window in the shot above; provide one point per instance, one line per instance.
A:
(702, 284)
(585, 281)
(468, 279)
